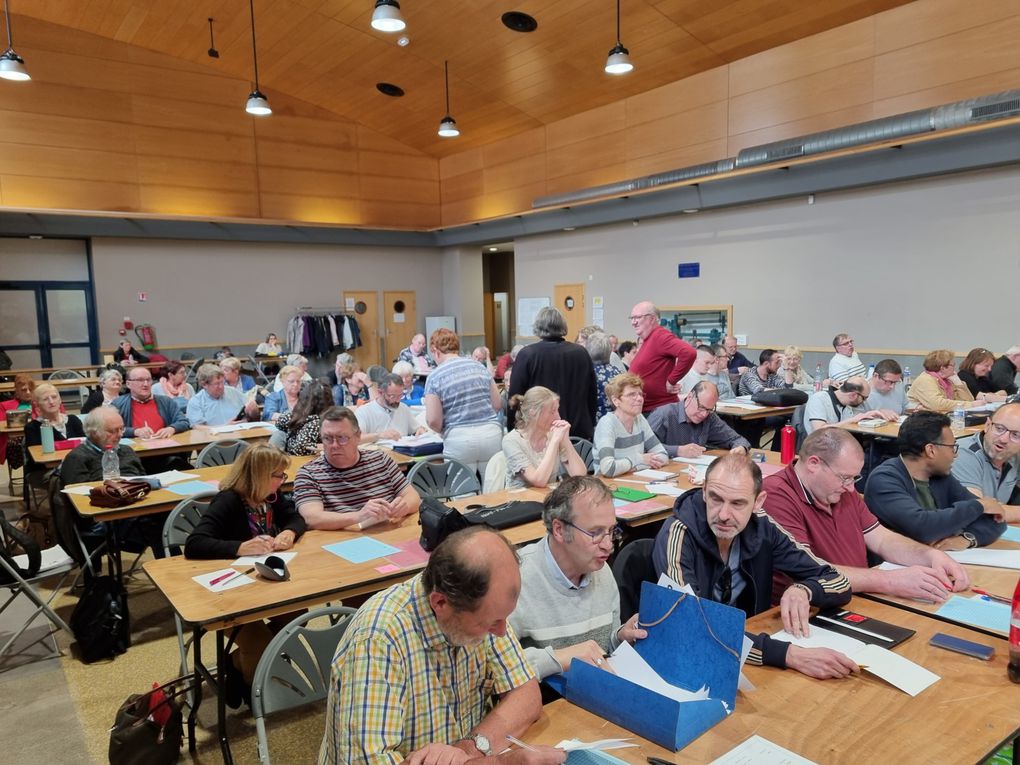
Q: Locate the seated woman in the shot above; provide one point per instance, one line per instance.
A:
(937, 388)
(271, 347)
(538, 452)
(172, 384)
(299, 428)
(299, 361)
(974, 373)
(11, 449)
(284, 399)
(127, 356)
(413, 390)
(792, 358)
(352, 388)
(231, 367)
(623, 439)
(111, 382)
(47, 410)
(249, 516)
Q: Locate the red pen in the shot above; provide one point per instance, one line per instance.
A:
(231, 575)
(996, 598)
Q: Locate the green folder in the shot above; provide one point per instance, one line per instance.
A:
(631, 495)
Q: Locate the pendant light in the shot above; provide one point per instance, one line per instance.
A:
(257, 104)
(213, 53)
(619, 57)
(386, 16)
(448, 125)
(12, 66)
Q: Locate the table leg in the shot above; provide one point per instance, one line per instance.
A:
(222, 657)
(113, 553)
(196, 643)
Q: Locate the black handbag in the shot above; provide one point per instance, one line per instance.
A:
(136, 737)
(780, 397)
(438, 521)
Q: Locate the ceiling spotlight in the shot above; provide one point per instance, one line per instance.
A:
(403, 41)
(386, 16)
(448, 125)
(618, 61)
(12, 66)
(257, 104)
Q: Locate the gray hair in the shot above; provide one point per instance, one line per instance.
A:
(1013, 350)
(296, 360)
(207, 373)
(95, 421)
(559, 503)
(549, 323)
(231, 362)
(514, 351)
(106, 374)
(599, 347)
(402, 368)
(387, 380)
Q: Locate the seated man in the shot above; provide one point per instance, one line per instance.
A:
(886, 387)
(689, 427)
(765, 376)
(416, 354)
(736, 362)
(918, 496)
(727, 549)
(1004, 370)
(430, 671)
(844, 362)
(146, 415)
(847, 403)
(988, 462)
(216, 404)
(345, 486)
(708, 367)
(386, 417)
(814, 499)
(569, 605)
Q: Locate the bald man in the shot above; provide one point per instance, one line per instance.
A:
(662, 359)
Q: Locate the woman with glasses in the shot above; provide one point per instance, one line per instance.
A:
(974, 373)
(249, 516)
(299, 429)
(538, 451)
(280, 401)
(623, 439)
(938, 388)
(173, 384)
(111, 382)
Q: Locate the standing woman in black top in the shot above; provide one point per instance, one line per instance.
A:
(249, 516)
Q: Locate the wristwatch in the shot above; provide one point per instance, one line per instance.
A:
(481, 743)
(971, 539)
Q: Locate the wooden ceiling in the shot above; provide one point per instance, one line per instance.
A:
(501, 82)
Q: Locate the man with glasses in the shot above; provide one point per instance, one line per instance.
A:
(727, 549)
(689, 427)
(814, 499)
(988, 462)
(217, 404)
(918, 496)
(569, 605)
(662, 358)
(146, 415)
(886, 390)
(736, 362)
(844, 362)
(348, 488)
(847, 403)
(386, 417)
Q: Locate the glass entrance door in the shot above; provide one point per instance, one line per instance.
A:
(47, 324)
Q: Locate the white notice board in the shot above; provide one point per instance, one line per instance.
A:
(527, 309)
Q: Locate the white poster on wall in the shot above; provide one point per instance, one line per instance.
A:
(527, 309)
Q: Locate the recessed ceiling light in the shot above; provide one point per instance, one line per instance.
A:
(519, 21)
(389, 89)
(403, 41)
(494, 249)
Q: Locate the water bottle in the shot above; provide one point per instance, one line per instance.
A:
(907, 379)
(1014, 638)
(818, 377)
(871, 371)
(111, 463)
(46, 431)
(958, 420)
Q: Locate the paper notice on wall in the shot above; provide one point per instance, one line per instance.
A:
(598, 317)
(527, 308)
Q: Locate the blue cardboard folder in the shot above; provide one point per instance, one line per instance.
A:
(682, 649)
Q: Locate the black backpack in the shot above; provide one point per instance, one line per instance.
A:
(100, 622)
(11, 537)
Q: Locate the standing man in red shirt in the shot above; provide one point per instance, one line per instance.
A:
(662, 359)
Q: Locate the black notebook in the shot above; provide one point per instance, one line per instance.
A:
(861, 627)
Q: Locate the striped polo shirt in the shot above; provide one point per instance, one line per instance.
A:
(346, 490)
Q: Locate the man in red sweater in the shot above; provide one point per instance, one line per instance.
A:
(662, 359)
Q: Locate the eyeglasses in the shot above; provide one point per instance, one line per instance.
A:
(890, 382)
(639, 317)
(702, 408)
(846, 480)
(1001, 430)
(633, 394)
(954, 447)
(597, 537)
(142, 380)
(281, 476)
(846, 342)
(336, 439)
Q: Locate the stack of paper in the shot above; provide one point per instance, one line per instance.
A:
(704, 460)
(982, 556)
(236, 426)
(760, 751)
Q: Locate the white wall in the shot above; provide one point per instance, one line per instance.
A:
(920, 265)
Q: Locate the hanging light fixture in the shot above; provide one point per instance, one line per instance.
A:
(213, 53)
(257, 104)
(619, 57)
(12, 66)
(448, 125)
(386, 16)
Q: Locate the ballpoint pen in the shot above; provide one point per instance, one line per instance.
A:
(991, 596)
(521, 744)
(227, 577)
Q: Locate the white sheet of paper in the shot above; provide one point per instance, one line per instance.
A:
(576, 744)
(665, 580)
(82, 490)
(629, 664)
(237, 581)
(251, 560)
(666, 489)
(654, 475)
(982, 556)
(887, 566)
(742, 405)
(760, 751)
(704, 460)
(743, 684)
(174, 476)
(238, 426)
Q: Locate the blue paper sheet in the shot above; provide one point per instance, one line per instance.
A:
(977, 612)
(592, 757)
(1012, 533)
(361, 550)
(187, 488)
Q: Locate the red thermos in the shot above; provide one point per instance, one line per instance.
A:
(787, 444)
(1014, 637)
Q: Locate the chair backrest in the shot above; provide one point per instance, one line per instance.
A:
(633, 565)
(444, 478)
(797, 422)
(295, 667)
(586, 451)
(66, 374)
(192, 375)
(495, 473)
(221, 453)
(65, 524)
(182, 520)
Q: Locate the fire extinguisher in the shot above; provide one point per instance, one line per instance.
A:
(787, 444)
(147, 336)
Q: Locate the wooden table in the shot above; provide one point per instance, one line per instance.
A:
(965, 717)
(79, 382)
(14, 430)
(892, 429)
(741, 413)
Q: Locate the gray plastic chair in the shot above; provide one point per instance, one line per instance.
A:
(586, 451)
(444, 478)
(221, 453)
(74, 397)
(295, 667)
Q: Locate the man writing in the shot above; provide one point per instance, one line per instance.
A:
(689, 427)
(146, 415)
(386, 417)
(662, 358)
(345, 486)
(847, 403)
(886, 389)
(727, 550)
(988, 462)
(421, 662)
(569, 605)
(814, 499)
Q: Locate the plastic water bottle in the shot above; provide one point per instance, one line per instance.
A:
(818, 377)
(907, 379)
(871, 371)
(111, 464)
(958, 421)
(1013, 670)
(46, 434)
